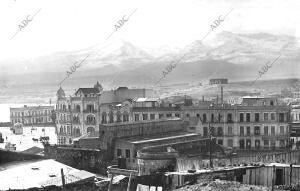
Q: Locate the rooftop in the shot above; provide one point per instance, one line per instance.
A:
(154, 138)
(37, 174)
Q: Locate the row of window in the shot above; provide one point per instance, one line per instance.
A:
(244, 131)
(89, 108)
(32, 120)
(151, 116)
(257, 143)
(69, 130)
(243, 117)
(30, 113)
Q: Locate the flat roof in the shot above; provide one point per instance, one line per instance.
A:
(38, 173)
(147, 139)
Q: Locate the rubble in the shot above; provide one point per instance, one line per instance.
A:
(222, 185)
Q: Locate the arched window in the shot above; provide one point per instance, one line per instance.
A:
(220, 131)
(118, 116)
(90, 119)
(125, 117)
(104, 118)
(205, 132)
(111, 117)
(204, 117)
(77, 108)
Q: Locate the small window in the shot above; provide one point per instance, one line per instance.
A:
(169, 115)
(229, 130)
(266, 130)
(256, 130)
(273, 130)
(205, 132)
(247, 117)
(248, 131)
(145, 116)
(241, 130)
(266, 115)
(161, 115)
(220, 142)
(256, 116)
(177, 115)
(281, 130)
(119, 152)
(230, 143)
(152, 116)
(187, 115)
(127, 153)
(241, 117)
(272, 116)
(136, 117)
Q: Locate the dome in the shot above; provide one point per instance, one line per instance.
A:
(60, 93)
(98, 86)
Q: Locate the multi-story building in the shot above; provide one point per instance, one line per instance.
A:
(295, 121)
(257, 123)
(82, 113)
(32, 115)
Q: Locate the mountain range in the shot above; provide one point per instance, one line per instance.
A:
(238, 57)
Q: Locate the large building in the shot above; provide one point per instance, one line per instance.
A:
(257, 123)
(32, 115)
(82, 113)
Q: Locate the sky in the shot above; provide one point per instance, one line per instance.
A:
(66, 25)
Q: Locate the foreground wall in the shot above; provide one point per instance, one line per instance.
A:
(185, 163)
(92, 160)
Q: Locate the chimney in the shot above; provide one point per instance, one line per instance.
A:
(221, 94)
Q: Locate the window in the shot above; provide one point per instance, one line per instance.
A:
(145, 116)
(257, 144)
(212, 118)
(281, 117)
(273, 143)
(219, 117)
(152, 116)
(177, 115)
(266, 143)
(212, 131)
(271, 103)
(281, 129)
(229, 118)
(198, 115)
(266, 130)
(272, 116)
(118, 116)
(127, 153)
(242, 144)
(136, 117)
(281, 143)
(104, 117)
(241, 117)
(273, 130)
(256, 117)
(229, 130)
(125, 117)
(205, 132)
(161, 115)
(204, 118)
(248, 131)
(220, 142)
(169, 115)
(256, 130)
(220, 131)
(187, 115)
(266, 116)
(241, 130)
(229, 143)
(248, 143)
(119, 152)
(247, 117)
(111, 117)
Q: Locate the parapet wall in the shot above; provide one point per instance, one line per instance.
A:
(92, 160)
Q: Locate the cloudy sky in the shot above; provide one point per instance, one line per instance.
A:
(63, 25)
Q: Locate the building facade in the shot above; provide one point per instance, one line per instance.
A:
(257, 123)
(82, 113)
(32, 115)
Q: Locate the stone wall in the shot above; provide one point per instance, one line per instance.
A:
(10, 156)
(92, 160)
(185, 163)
